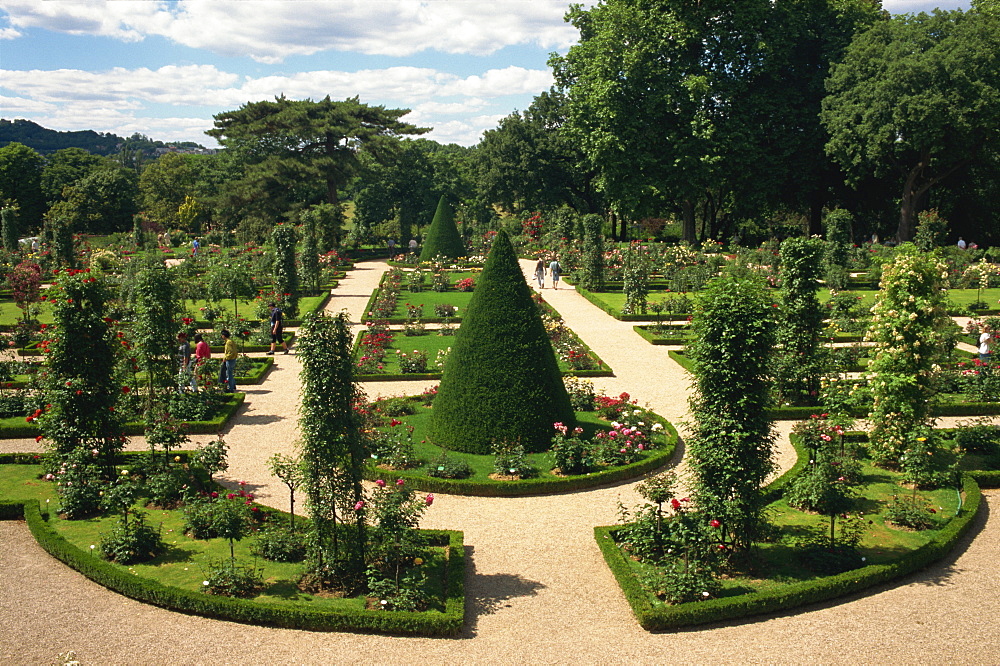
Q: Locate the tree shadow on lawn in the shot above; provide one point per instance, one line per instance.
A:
(938, 574)
(486, 594)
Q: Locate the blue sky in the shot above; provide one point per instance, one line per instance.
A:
(163, 68)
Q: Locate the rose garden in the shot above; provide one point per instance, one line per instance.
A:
(836, 437)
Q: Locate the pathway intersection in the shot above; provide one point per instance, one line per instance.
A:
(538, 589)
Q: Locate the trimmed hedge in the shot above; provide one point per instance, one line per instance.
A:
(442, 237)
(501, 381)
(118, 579)
(134, 428)
(540, 486)
(658, 618)
(646, 333)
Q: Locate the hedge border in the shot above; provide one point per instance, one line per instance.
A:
(654, 618)
(527, 487)
(135, 428)
(118, 579)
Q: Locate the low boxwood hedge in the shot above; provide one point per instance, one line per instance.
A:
(23, 430)
(658, 618)
(118, 579)
(539, 486)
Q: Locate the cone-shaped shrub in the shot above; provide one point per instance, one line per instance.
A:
(501, 381)
(442, 236)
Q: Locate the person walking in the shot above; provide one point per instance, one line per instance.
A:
(227, 371)
(184, 361)
(202, 352)
(540, 273)
(554, 270)
(277, 334)
(985, 345)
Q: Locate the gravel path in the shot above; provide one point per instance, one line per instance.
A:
(538, 590)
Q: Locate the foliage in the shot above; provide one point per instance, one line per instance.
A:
(570, 453)
(211, 457)
(932, 230)
(912, 512)
(914, 99)
(229, 579)
(25, 283)
(442, 237)
(395, 542)
(447, 467)
(978, 436)
(907, 326)
(581, 393)
(501, 366)
(9, 230)
(636, 280)
(592, 265)
(838, 223)
(79, 484)
(284, 274)
(509, 460)
(80, 388)
(290, 472)
(280, 544)
(154, 330)
(131, 542)
(332, 447)
(309, 257)
(732, 444)
(799, 356)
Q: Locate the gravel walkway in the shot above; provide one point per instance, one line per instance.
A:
(538, 590)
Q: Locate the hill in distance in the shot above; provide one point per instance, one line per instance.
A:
(47, 141)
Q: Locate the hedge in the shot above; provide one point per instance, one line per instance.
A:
(657, 618)
(118, 579)
(540, 486)
(646, 333)
(134, 428)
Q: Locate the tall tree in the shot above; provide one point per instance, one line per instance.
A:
(301, 152)
(64, 168)
(917, 97)
(165, 184)
(399, 187)
(21, 182)
(102, 202)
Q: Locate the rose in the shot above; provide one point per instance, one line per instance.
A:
(429, 500)
(380, 483)
(360, 505)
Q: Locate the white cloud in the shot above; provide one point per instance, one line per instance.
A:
(128, 100)
(270, 31)
(9, 33)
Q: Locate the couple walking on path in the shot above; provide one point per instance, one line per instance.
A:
(555, 270)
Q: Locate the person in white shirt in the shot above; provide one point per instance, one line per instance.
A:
(961, 243)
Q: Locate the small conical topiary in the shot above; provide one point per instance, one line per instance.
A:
(501, 381)
(442, 236)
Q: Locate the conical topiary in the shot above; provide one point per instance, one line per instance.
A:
(442, 236)
(501, 381)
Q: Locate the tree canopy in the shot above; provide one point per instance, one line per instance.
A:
(302, 152)
(916, 98)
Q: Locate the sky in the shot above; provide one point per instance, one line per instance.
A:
(164, 68)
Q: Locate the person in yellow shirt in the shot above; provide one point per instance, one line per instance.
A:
(227, 371)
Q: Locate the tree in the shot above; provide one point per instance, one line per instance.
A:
(908, 325)
(10, 228)
(332, 447)
(799, 356)
(284, 273)
(165, 185)
(102, 202)
(528, 163)
(80, 388)
(64, 168)
(732, 446)
(21, 182)
(398, 186)
(501, 382)
(442, 238)
(155, 305)
(916, 97)
(301, 152)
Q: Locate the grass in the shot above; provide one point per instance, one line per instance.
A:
(186, 561)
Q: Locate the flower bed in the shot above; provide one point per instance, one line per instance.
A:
(653, 615)
(543, 481)
(314, 614)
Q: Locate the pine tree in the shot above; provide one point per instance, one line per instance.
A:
(442, 237)
(501, 381)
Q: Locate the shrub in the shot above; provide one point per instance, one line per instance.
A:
(229, 579)
(279, 544)
(442, 237)
(501, 380)
(570, 453)
(412, 363)
(911, 512)
(581, 393)
(78, 482)
(440, 281)
(398, 406)
(466, 284)
(211, 457)
(131, 542)
(509, 459)
(977, 436)
(446, 467)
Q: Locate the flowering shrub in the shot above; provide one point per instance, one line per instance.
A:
(581, 393)
(78, 483)
(621, 445)
(415, 281)
(465, 284)
(414, 362)
(509, 459)
(532, 226)
(612, 408)
(570, 453)
(440, 281)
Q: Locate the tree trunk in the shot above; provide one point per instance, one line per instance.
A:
(687, 225)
